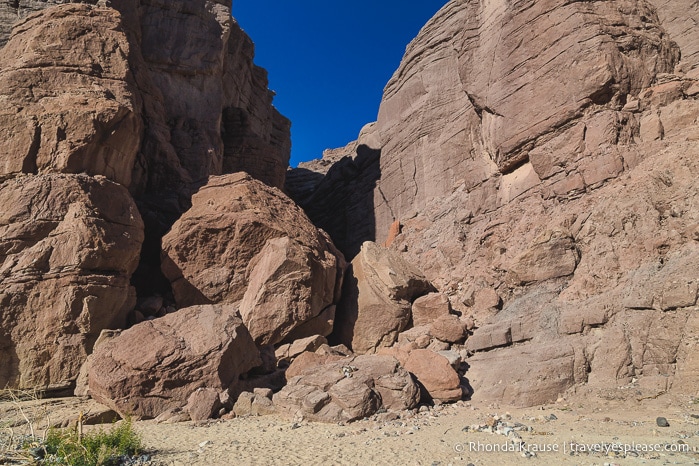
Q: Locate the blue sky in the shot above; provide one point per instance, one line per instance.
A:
(329, 61)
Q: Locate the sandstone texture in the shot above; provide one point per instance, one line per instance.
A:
(434, 372)
(68, 246)
(158, 365)
(243, 241)
(426, 309)
(540, 159)
(71, 108)
(154, 97)
(348, 389)
(378, 293)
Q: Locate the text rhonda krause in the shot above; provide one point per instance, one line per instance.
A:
(573, 447)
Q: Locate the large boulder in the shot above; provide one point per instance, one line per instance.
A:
(245, 241)
(68, 247)
(348, 389)
(73, 108)
(379, 290)
(157, 365)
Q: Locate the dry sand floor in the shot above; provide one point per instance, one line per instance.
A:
(432, 437)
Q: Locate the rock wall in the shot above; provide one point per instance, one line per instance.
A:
(68, 247)
(543, 154)
(114, 113)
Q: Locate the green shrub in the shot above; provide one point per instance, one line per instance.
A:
(93, 449)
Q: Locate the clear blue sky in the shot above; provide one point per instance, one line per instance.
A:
(329, 61)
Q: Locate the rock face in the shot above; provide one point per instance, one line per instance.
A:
(157, 365)
(155, 96)
(244, 241)
(74, 108)
(379, 289)
(68, 246)
(551, 196)
(349, 389)
(337, 191)
(178, 98)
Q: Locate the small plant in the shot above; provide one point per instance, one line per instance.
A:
(70, 447)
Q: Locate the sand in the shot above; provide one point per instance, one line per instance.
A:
(435, 436)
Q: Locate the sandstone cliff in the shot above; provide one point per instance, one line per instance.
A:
(543, 153)
(113, 114)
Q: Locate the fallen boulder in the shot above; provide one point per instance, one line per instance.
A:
(348, 389)
(157, 365)
(243, 240)
(379, 290)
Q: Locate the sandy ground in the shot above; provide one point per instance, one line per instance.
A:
(570, 431)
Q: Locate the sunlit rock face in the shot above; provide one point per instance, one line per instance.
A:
(541, 154)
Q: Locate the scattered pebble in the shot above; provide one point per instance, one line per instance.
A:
(662, 422)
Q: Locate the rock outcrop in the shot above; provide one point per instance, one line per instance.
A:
(154, 96)
(72, 108)
(68, 246)
(243, 241)
(540, 161)
(157, 365)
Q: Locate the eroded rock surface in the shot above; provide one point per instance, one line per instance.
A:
(540, 160)
(69, 99)
(68, 247)
(158, 365)
(378, 293)
(348, 389)
(244, 241)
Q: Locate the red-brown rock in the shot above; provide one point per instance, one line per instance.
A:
(435, 374)
(379, 290)
(576, 212)
(74, 108)
(449, 329)
(349, 389)
(243, 240)
(68, 247)
(157, 365)
(426, 309)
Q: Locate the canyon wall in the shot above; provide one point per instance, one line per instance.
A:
(543, 153)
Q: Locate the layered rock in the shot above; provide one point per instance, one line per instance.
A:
(379, 290)
(158, 365)
(245, 241)
(337, 191)
(540, 161)
(12, 10)
(155, 96)
(68, 246)
(72, 108)
(177, 94)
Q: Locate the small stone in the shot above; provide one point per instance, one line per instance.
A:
(204, 443)
(662, 422)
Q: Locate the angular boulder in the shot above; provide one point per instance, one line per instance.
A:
(245, 241)
(348, 389)
(426, 309)
(434, 372)
(157, 365)
(68, 247)
(449, 329)
(379, 290)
